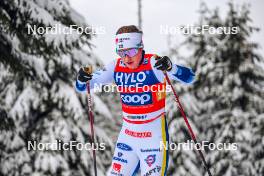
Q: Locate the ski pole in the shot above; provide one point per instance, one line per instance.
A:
(187, 123)
(90, 114)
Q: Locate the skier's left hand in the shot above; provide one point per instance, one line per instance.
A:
(163, 63)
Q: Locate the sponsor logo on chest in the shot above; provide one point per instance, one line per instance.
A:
(136, 98)
(127, 79)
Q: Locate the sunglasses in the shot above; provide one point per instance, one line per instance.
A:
(129, 52)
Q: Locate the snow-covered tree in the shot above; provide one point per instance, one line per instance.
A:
(225, 104)
(37, 93)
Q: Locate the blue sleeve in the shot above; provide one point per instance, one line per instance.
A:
(178, 73)
(80, 87)
(183, 74)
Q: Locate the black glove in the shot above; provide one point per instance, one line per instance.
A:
(84, 76)
(163, 63)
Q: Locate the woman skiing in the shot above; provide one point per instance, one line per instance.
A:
(141, 81)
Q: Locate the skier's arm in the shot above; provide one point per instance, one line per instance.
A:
(99, 77)
(175, 72)
(182, 74)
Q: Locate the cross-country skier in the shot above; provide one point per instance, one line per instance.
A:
(139, 77)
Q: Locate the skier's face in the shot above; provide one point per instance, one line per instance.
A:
(133, 62)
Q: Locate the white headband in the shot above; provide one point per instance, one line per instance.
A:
(129, 40)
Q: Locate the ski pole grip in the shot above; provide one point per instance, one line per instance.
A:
(88, 69)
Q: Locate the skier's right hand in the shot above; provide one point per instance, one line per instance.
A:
(84, 76)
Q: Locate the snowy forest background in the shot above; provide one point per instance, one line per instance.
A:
(38, 101)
